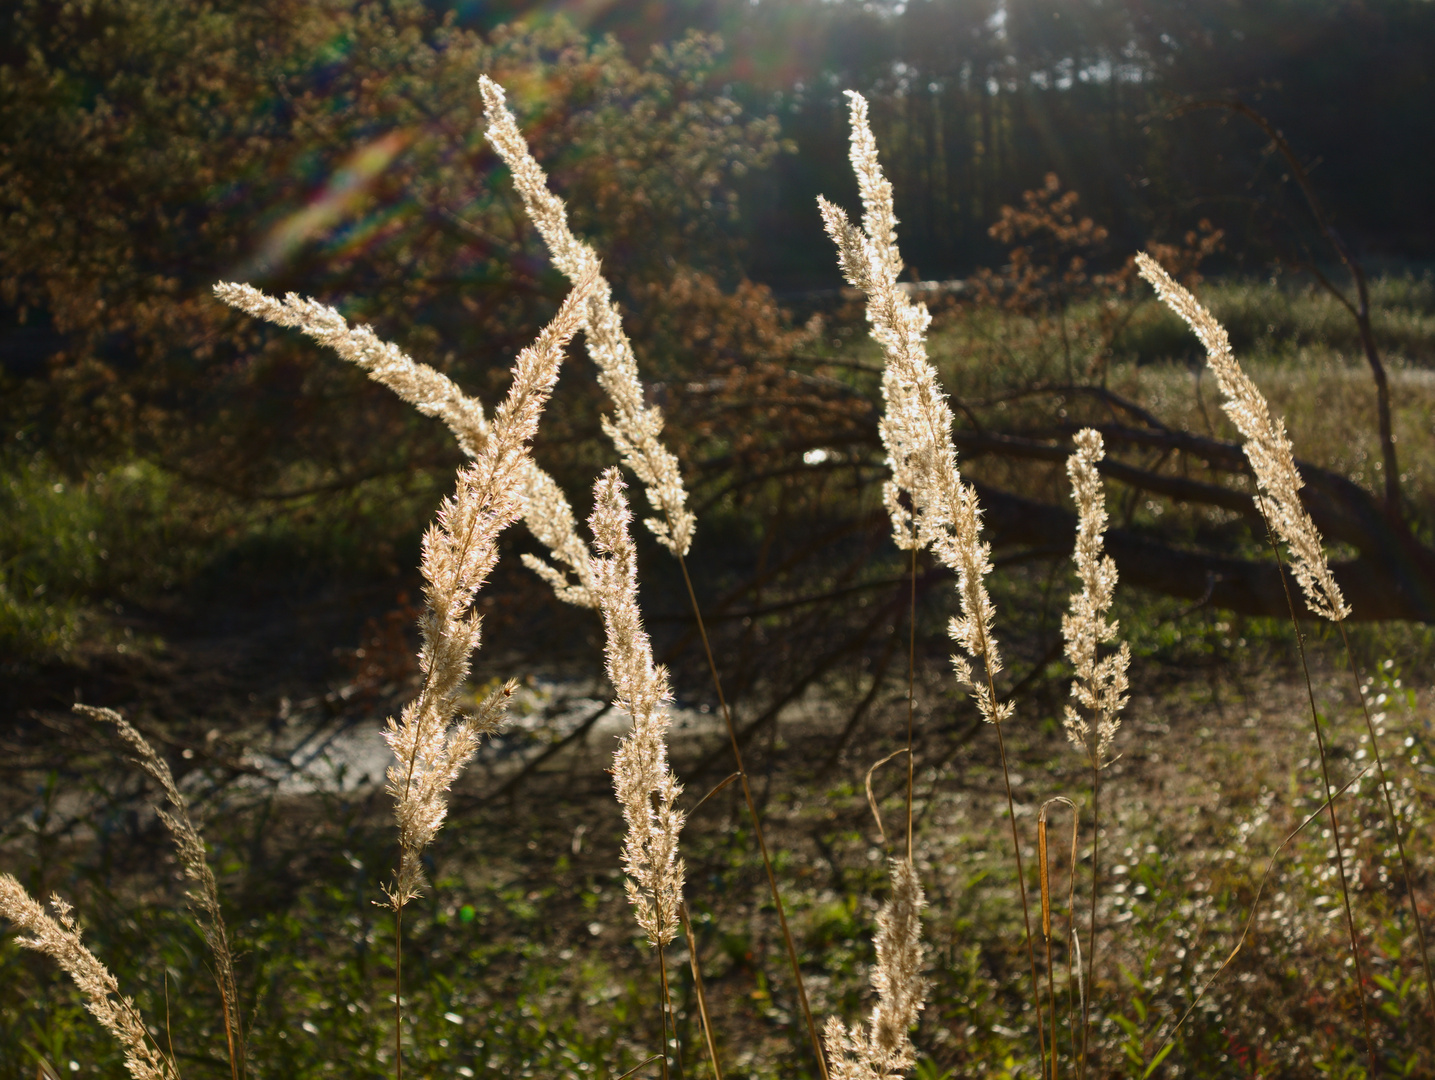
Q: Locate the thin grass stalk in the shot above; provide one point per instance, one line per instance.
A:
(1045, 879)
(1021, 888)
(1330, 800)
(1045, 882)
(667, 1009)
(642, 1064)
(1073, 939)
(1162, 1051)
(1095, 890)
(1394, 820)
(398, 993)
(911, 694)
(756, 826)
(699, 989)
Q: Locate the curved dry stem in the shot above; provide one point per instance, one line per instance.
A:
(1250, 920)
(1394, 822)
(871, 796)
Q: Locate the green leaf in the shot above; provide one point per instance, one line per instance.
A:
(1160, 1057)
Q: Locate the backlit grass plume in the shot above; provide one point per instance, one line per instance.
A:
(916, 425)
(635, 427)
(204, 898)
(916, 430)
(459, 551)
(1266, 445)
(884, 1050)
(1100, 685)
(642, 778)
(546, 511)
(58, 937)
(1279, 482)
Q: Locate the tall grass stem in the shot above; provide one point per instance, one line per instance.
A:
(667, 1009)
(1021, 888)
(698, 987)
(1095, 890)
(1330, 798)
(911, 705)
(1044, 876)
(756, 823)
(398, 992)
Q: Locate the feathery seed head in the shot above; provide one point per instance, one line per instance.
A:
(1101, 684)
(460, 549)
(546, 511)
(635, 427)
(59, 938)
(883, 1050)
(645, 785)
(916, 424)
(1267, 447)
(204, 898)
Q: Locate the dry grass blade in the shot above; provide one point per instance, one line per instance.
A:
(1043, 875)
(720, 786)
(642, 1064)
(1044, 878)
(698, 987)
(872, 798)
(192, 856)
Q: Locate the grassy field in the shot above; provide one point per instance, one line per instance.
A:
(231, 634)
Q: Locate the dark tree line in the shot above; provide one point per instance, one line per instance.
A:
(975, 101)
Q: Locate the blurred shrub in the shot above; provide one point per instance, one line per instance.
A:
(64, 541)
(334, 148)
